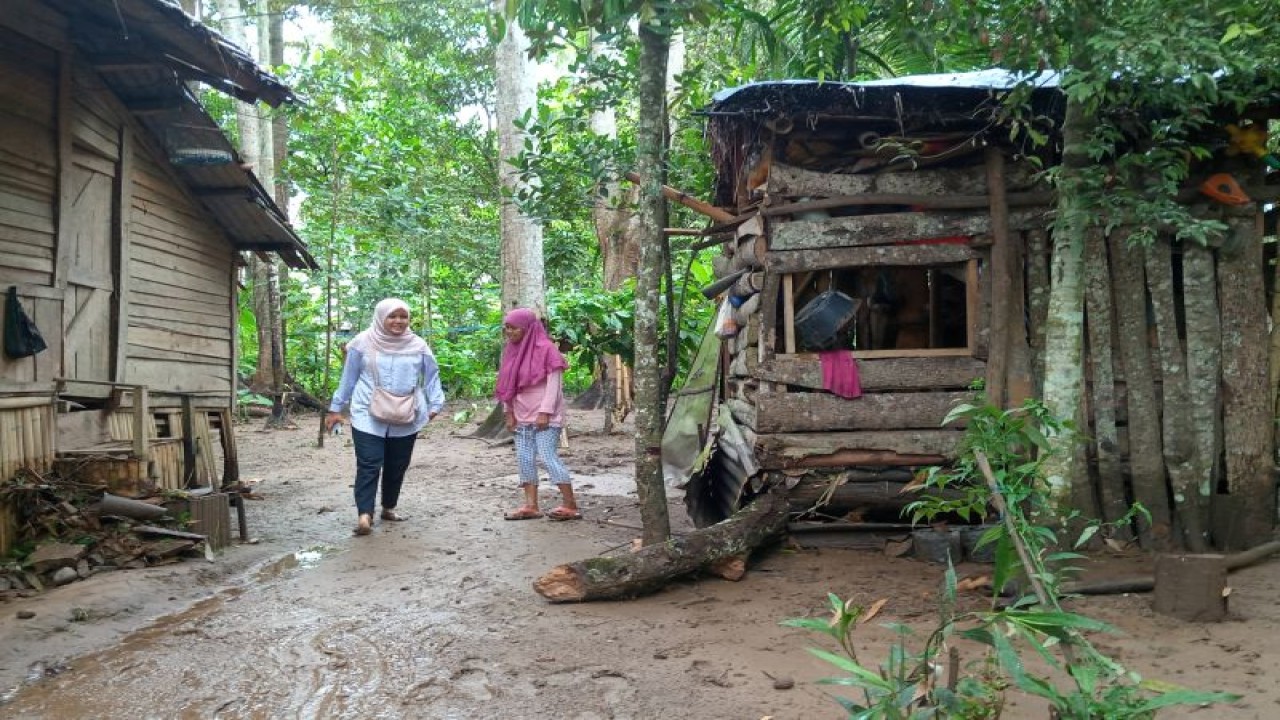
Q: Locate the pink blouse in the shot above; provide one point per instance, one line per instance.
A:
(544, 397)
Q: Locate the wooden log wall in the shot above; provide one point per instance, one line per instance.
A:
(1177, 409)
(777, 394)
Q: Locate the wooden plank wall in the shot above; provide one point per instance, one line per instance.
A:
(180, 280)
(28, 160)
(28, 197)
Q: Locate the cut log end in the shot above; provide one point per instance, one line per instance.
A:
(730, 568)
(561, 584)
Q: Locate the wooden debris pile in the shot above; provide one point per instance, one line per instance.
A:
(69, 530)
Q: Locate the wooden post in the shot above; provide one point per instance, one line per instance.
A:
(123, 202)
(1001, 279)
(1191, 587)
(788, 314)
(188, 445)
(141, 426)
(230, 459)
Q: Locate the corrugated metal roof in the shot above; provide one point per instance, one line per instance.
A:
(146, 51)
(161, 30)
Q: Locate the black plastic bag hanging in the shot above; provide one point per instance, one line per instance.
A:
(21, 337)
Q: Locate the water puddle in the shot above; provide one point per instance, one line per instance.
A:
(305, 559)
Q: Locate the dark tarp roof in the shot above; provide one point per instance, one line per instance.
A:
(940, 98)
(147, 51)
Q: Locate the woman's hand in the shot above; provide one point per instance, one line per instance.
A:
(511, 421)
(332, 419)
(543, 421)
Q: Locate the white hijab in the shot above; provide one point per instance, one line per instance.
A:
(380, 340)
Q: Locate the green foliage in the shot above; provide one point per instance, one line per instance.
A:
(998, 467)
(1161, 78)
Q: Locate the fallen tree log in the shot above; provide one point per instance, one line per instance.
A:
(713, 548)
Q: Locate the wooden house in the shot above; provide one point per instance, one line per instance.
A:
(124, 211)
(901, 222)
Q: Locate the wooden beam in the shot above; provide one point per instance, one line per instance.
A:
(687, 200)
(932, 202)
(893, 228)
(781, 450)
(790, 261)
(789, 181)
(683, 232)
(809, 412)
(880, 374)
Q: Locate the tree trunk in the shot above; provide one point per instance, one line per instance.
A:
(523, 279)
(617, 232)
(1146, 449)
(1064, 327)
(1180, 451)
(1247, 413)
(1105, 437)
(648, 392)
(626, 576)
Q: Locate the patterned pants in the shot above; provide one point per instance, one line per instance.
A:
(533, 444)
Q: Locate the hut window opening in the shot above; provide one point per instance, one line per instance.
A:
(881, 311)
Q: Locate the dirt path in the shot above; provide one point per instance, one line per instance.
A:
(434, 618)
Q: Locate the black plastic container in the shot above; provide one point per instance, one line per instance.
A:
(821, 323)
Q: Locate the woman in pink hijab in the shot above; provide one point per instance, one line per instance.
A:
(530, 386)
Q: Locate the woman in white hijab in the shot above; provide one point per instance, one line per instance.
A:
(391, 387)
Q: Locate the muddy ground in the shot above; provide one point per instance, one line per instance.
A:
(435, 617)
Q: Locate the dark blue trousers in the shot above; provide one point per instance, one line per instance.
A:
(385, 456)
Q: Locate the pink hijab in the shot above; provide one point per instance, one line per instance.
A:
(379, 339)
(529, 361)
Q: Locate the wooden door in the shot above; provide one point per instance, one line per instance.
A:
(88, 347)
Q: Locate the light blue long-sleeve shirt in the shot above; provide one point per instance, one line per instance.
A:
(397, 373)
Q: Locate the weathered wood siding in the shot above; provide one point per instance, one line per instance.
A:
(28, 160)
(180, 282)
(28, 197)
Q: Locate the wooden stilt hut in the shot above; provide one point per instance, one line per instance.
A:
(124, 211)
(901, 222)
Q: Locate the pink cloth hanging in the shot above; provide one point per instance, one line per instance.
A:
(840, 373)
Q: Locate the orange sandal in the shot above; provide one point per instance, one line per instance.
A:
(524, 512)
